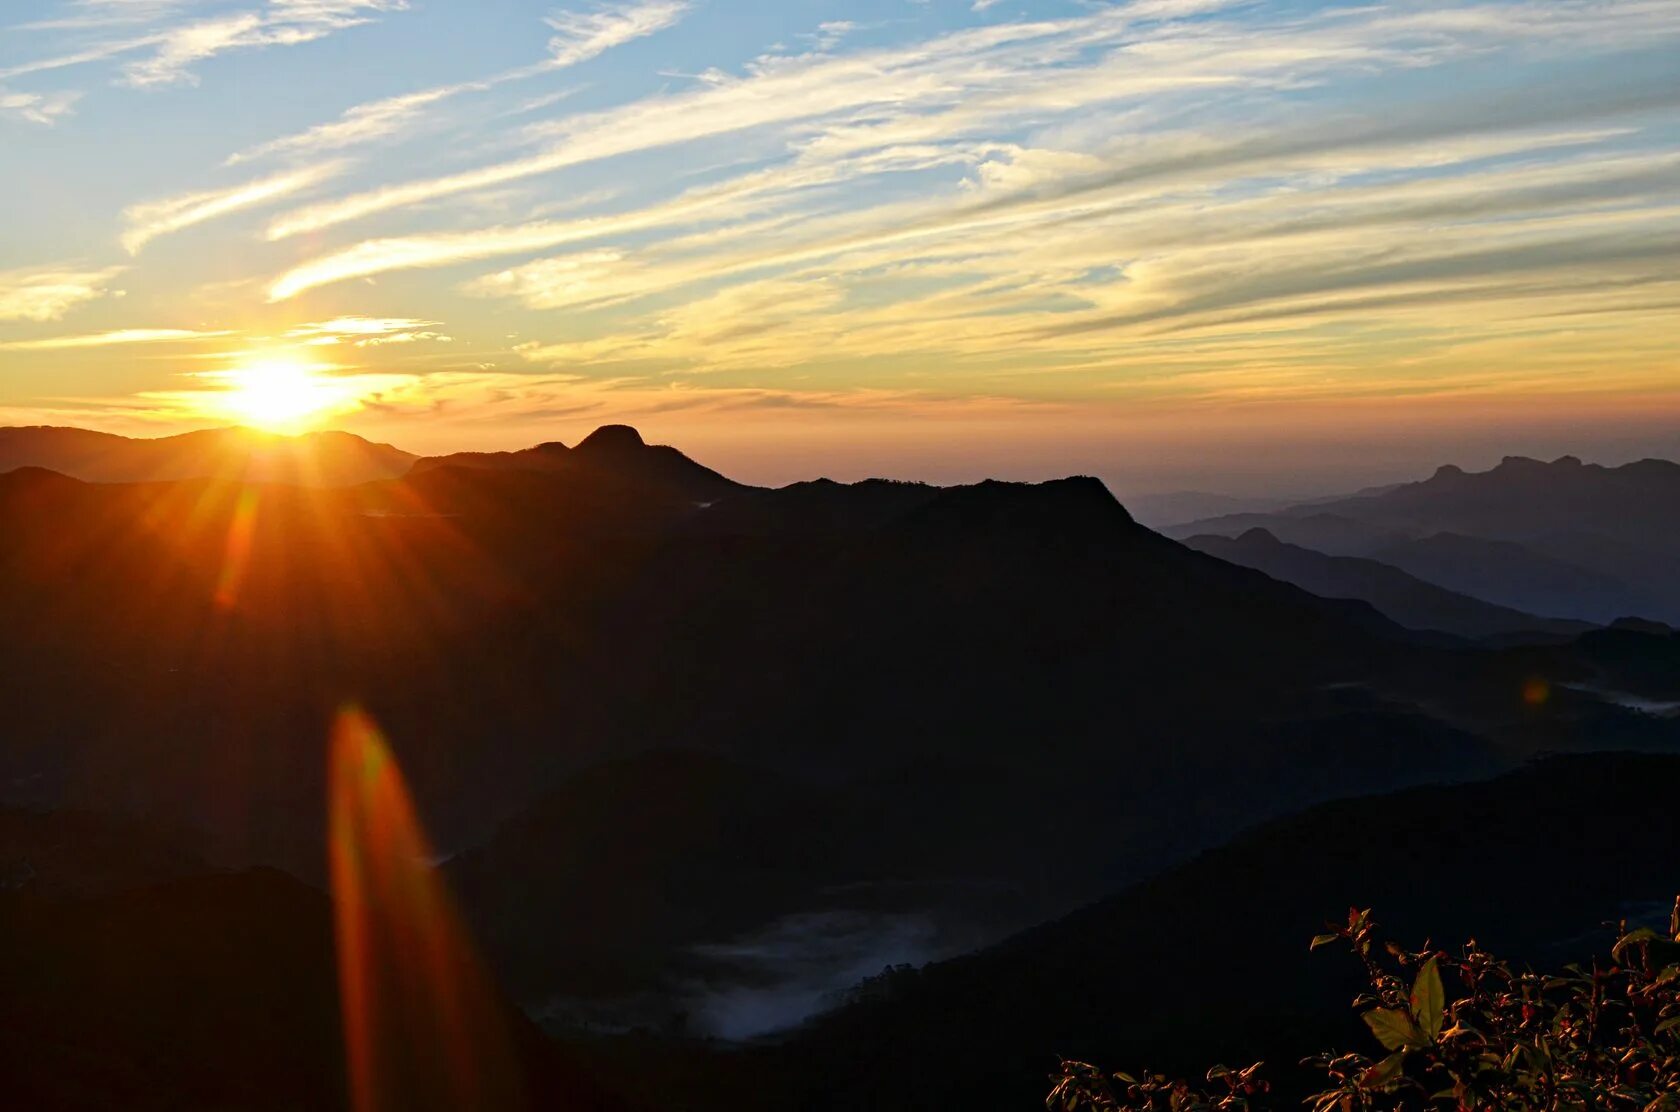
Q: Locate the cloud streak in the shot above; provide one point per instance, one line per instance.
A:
(170, 47)
(582, 35)
(579, 37)
(114, 338)
(44, 294)
(151, 219)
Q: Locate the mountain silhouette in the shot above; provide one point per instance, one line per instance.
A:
(650, 716)
(1514, 575)
(1615, 527)
(1406, 599)
(233, 454)
(1328, 533)
(616, 450)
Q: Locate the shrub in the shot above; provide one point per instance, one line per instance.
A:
(1468, 1032)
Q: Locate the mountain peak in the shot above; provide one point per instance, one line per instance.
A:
(1056, 506)
(612, 438)
(1449, 471)
(1259, 535)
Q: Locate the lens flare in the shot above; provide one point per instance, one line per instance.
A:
(422, 1028)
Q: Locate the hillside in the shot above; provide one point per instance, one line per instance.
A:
(234, 454)
(1407, 599)
(1147, 977)
(215, 990)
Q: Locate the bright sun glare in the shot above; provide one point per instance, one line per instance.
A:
(282, 394)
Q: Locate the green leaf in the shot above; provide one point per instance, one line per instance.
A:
(1322, 940)
(1643, 934)
(1384, 1072)
(1668, 1024)
(1429, 1001)
(1394, 1028)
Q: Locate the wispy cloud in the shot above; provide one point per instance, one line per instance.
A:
(42, 294)
(357, 127)
(978, 82)
(370, 331)
(151, 219)
(579, 36)
(379, 256)
(37, 108)
(584, 34)
(282, 23)
(170, 42)
(109, 339)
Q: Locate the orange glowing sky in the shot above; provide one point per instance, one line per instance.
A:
(1171, 242)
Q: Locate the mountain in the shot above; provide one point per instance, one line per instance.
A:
(549, 456)
(1524, 499)
(1322, 532)
(1514, 575)
(1160, 511)
(1616, 528)
(82, 853)
(1208, 962)
(880, 651)
(1406, 599)
(234, 454)
(729, 745)
(215, 990)
(1163, 511)
(611, 449)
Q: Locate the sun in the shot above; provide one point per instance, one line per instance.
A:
(281, 394)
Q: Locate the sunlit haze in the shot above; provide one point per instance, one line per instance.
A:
(1279, 245)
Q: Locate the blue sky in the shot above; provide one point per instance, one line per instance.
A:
(1179, 242)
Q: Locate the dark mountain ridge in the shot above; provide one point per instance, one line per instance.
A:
(231, 454)
(611, 450)
(1405, 598)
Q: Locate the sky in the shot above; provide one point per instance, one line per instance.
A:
(1240, 245)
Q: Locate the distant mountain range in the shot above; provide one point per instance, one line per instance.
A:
(1163, 511)
(330, 459)
(245, 455)
(1405, 598)
(1565, 538)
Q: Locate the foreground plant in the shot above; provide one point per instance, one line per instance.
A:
(1465, 1032)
